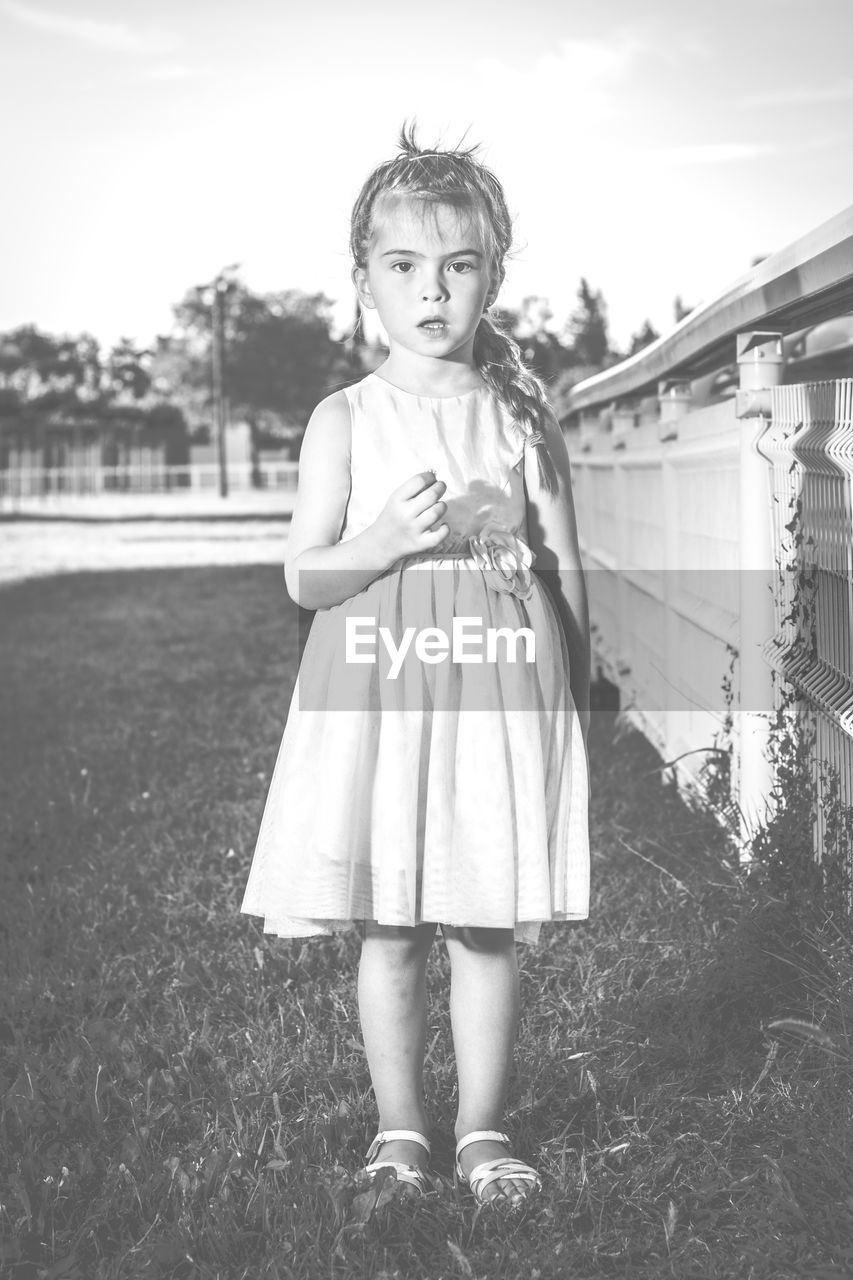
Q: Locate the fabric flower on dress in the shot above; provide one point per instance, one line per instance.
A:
(505, 559)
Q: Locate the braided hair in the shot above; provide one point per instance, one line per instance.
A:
(456, 178)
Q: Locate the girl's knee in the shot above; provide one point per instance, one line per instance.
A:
(406, 943)
(478, 938)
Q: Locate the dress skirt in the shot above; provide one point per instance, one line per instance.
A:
(456, 792)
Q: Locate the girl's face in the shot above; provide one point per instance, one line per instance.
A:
(428, 278)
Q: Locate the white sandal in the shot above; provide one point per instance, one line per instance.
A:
(482, 1175)
(408, 1173)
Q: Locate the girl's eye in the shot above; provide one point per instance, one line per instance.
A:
(466, 267)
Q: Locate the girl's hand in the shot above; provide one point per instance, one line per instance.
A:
(407, 522)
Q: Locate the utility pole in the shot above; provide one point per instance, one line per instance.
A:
(356, 338)
(220, 399)
(215, 295)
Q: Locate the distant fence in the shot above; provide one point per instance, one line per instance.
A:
(697, 523)
(142, 477)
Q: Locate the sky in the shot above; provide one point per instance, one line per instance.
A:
(654, 149)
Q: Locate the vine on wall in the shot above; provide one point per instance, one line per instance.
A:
(806, 791)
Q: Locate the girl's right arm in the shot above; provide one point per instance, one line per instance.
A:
(318, 570)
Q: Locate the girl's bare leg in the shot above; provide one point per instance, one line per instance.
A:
(484, 1004)
(393, 1013)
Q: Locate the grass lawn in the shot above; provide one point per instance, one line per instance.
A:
(183, 1097)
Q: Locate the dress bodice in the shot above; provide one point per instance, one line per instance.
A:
(471, 441)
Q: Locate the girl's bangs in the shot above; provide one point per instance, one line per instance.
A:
(468, 207)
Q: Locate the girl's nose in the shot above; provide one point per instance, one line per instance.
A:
(433, 287)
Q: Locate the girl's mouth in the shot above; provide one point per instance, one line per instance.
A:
(433, 326)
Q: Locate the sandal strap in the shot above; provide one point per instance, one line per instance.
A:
(409, 1173)
(491, 1171)
(397, 1135)
(481, 1135)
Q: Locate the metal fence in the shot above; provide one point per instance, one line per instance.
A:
(27, 480)
(809, 445)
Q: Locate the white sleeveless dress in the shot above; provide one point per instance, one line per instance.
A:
(458, 791)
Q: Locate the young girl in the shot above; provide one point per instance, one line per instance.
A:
(417, 785)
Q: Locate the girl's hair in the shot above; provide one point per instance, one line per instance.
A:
(455, 178)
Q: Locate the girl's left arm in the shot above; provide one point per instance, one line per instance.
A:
(553, 537)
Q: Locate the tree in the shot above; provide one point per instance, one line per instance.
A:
(541, 348)
(128, 369)
(587, 328)
(58, 391)
(180, 373)
(41, 365)
(679, 309)
(643, 337)
(279, 357)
